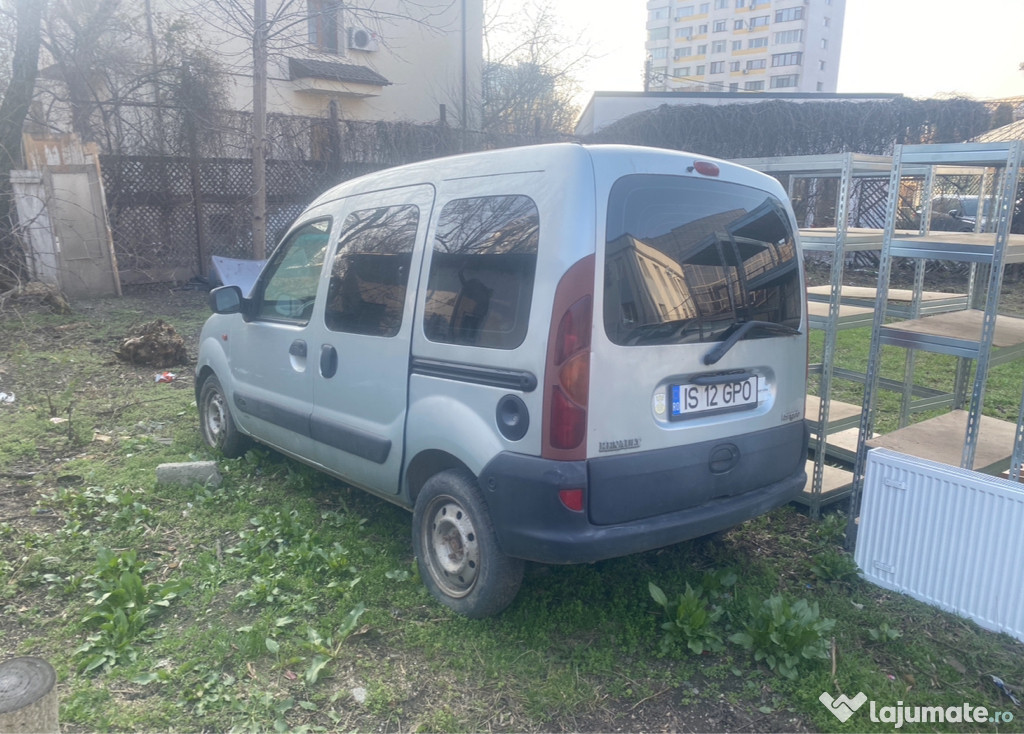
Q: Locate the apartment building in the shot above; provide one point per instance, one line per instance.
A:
(744, 45)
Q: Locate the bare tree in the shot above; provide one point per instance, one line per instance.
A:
(13, 111)
(116, 76)
(530, 71)
(274, 30)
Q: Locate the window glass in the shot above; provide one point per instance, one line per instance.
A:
(787, 80)
(787, 14)
(481, 273)
(370, 271)
(323, 25)
(287, 288)
(686, 259)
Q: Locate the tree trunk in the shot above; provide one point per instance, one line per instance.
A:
(28, 696)
(259, 131)
(13, 111)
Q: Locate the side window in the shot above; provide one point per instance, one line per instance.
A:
(481, 274)
(371, 270)
(288, 288)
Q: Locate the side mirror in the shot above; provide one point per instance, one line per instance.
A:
(226, 299)
(955, 213)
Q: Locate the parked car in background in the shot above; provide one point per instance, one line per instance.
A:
(962, 211)
(557, 353)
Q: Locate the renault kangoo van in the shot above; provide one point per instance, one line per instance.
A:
(560, 354)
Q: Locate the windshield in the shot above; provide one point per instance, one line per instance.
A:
(687, 258)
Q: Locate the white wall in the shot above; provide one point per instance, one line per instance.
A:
(431, 52)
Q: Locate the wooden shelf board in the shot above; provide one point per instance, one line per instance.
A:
(895, 295)
(835, 484)
(837, 410)
(963, 325)
(962, 246)
(850, 317)
(941, 439)
(842, 445)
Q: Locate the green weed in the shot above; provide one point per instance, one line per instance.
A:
(692, 617)
(833, 565)
(784, 634)
(884, 633)
(123, 608)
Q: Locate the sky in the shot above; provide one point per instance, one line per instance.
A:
(919, 48)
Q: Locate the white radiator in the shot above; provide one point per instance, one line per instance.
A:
(947, 536)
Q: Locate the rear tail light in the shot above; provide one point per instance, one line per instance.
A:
(568, 421)
(567, 376)
(572, 499)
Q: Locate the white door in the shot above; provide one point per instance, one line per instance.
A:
(361, 361)
(271, 354)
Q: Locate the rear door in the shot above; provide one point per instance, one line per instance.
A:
(702, 302)
(361, 359)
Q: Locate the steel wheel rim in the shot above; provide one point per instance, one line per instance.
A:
(452, 547)
(216, 417)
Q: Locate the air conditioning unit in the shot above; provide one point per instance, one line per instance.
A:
(362, 39)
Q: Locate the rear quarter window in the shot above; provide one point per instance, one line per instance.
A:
(686, 259)
(370, 271)
(480, 283)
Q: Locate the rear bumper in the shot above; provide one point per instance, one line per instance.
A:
(533, 524)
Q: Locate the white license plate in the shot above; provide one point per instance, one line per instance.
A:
(688, 401)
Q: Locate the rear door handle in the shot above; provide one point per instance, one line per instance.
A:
(328, 361)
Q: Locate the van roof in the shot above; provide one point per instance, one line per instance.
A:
(562, 156)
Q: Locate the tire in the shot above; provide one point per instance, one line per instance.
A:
(457, 549)
(215, 421)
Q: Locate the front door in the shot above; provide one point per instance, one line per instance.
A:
(272, 354)
(361, 363)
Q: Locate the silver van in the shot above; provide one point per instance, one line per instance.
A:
(559, 353)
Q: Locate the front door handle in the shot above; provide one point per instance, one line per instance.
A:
(298, 349)
(328, 361)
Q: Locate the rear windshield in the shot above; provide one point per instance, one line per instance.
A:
(688, 258)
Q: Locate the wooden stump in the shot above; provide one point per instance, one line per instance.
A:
(28, 696)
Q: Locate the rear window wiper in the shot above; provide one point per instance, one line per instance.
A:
(720, 349)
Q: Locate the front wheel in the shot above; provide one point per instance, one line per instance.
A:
(215, 421)
(457, 549)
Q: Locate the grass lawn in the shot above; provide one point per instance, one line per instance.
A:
(284, 600)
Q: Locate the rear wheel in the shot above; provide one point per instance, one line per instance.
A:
(215, 421)
(457, 549)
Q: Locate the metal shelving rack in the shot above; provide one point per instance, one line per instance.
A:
(832, 311)
(971, 334)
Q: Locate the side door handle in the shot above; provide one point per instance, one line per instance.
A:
(328, 361)
(298, 349)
